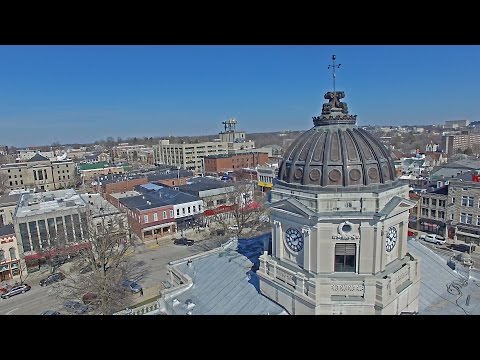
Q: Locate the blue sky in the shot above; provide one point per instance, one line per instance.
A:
(86, 93)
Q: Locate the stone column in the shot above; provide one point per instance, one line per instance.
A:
(306, 248)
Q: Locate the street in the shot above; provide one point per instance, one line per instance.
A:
(39, 299)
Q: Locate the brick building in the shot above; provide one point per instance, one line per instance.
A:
(149, 217)
(216, 164)
(10, 263)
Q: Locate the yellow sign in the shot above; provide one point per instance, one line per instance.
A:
(265, 184)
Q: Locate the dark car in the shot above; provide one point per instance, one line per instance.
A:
(183, 241)
(462, 247)
(52, 278)
(18, 289)
(132, 286)
(75, 307)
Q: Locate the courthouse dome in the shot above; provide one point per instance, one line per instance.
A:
(336, 153)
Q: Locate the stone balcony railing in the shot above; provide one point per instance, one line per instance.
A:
(395, 282)
(296, 281)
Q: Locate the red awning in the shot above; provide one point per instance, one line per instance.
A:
(252, 205)
(219, 210)
(60, 251)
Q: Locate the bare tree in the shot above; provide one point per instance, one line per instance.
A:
(3, 183)
(248, 213)
(106, 261)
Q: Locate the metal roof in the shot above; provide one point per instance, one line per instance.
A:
(444, 291)
(223, 283)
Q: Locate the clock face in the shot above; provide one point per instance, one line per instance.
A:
(391, 238)
(294, 239)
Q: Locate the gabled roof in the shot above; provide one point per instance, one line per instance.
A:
(294, 206)
(395, 205)
(37, 157)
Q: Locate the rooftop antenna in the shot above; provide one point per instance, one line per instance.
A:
(333, 67)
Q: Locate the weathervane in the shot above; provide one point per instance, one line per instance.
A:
(333, 67)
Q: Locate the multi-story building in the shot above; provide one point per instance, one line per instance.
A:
(217, 164)
(463, 208)
(48, 221)
(129, 152)
(265, 176)
(39, 173)
(214, 194)
(121, 183)
(463, 140)
(93, 171)
(54, 219)
(11, 266)
(456, 123)
(433, 211)
(187, 208)
(188, 156)
(27, 154)
(7, 208)
(150, 217)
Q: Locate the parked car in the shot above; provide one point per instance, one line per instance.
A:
(15, 290)
(233, 227)
(183, 241)
(3, 290)
(75, 307)
(434, 239)
(462, 247)
(91, 299)
(50, 279)
(132, 286)
(51, 312)
(411, 233)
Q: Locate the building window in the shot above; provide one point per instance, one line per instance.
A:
(451, 216)
(155, 217)
(21, 182)
(466, 218)
(453, 200)
(441, 214)
(164, 214)
(183, 211)
(2, 256)
(425, 201)
(433, 213)
(12, 253)
(441, 203)
(345, 258)
(478, 220)
(178, 212)
(194, 208)
(434, 202)
(189, 210)
(424, 212)
(171, 213)
(145, 219)
(34, 175)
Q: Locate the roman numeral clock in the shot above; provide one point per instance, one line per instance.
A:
(391, 239)
(294, 239)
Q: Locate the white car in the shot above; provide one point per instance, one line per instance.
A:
(434, 239)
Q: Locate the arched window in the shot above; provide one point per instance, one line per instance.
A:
(2, 256)
(12, 253)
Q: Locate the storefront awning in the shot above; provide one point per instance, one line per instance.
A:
(468, 234)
